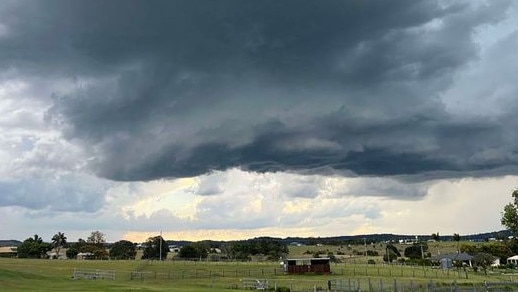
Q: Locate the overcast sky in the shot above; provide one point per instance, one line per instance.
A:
(233, 119)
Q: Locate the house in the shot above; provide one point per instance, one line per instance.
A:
(8, 251)
(54, 255)
(513, 260)
(174, 248)
(309, 265)
(84, 255)
(447, 260)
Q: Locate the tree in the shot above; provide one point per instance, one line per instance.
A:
(195, 250)
(510, 214)
(456, 238)
(416, 251)
(34, 247)
(436, 237)
(152, 248)
(188, 252)
(72, 252)
(58, 240)
(123, 250)
(96, 238)
(391, 253)
(94, 244)
(483, 260)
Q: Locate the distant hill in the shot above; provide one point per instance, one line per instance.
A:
(10, 242)
(358, 239)
(345, 239)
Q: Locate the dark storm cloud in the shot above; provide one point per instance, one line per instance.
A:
(179, 88)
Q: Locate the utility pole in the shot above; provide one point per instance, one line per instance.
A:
(160, 245)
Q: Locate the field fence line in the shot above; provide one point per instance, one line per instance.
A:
(93, 274)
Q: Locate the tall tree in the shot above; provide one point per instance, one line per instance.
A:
(152, 249)
(391, 253)
(195, 250)
(96, 238)
(59, 240)
(95, 244)
(510, 214)
(33, 247)
(416, 251)
(456, 238)
(123, 250)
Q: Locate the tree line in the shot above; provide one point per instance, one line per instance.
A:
(154, 248)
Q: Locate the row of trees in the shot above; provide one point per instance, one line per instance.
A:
(95, 247)
(35, 247)
(271, 248)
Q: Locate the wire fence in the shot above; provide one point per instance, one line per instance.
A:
(93, 274)
(344, 277)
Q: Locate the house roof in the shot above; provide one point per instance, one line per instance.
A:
(85, 254)
(8, 249)
(454, 256)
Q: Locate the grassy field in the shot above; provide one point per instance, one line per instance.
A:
(139, 275)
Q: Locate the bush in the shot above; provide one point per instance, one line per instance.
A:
(371, 262)
(282, 289)
(372, 253)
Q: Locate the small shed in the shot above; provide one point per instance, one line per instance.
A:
(446, 263)
(513, 260)
(447, 260)
(309, 265)
(84, 255)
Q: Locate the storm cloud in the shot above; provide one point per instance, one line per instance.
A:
(167, 89)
